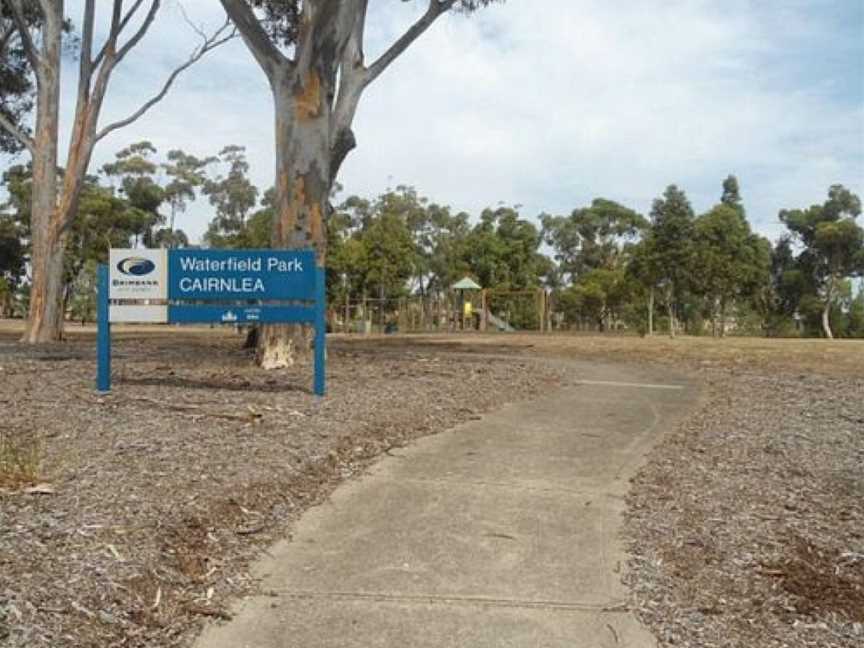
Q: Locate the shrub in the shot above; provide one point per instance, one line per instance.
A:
(20, 458)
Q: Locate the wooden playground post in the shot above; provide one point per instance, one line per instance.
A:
(347, 325)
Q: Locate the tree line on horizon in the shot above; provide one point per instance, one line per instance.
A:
(605, 266)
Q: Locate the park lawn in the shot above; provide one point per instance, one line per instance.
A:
(828, 357)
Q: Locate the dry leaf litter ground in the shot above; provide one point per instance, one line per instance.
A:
(746, 525)
(152, 500)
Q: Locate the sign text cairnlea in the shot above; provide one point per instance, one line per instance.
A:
(211, 286)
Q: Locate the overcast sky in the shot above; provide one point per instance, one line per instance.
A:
(550, 103)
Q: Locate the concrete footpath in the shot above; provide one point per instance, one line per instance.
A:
(503, 532)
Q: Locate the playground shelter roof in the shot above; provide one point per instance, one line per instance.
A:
(466, 284)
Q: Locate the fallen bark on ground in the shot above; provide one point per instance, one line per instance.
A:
(746, 526)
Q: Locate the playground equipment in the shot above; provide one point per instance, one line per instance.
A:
(464, 289)
(498, 323)
(466, 307)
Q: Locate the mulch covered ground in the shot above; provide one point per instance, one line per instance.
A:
(746, 527)
(151, 501)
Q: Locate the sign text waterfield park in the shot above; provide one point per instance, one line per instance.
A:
(211, 286)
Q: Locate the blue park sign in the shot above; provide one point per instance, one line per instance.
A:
(241, 274)
(211, 286)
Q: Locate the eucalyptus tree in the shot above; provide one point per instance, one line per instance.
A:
(593, 237)
(502, 251)
(833, 244)
(312, 52)
(234, 197)
(644, 267)
(188, 176)
(39, 27)
(734, 263)
(672, 227)
(136, 171)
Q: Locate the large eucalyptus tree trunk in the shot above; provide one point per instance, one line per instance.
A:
(45, 323)
(303, 182)
(316, 90)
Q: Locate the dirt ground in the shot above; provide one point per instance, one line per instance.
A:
(151, 501)
(824, 357)
(746, 525)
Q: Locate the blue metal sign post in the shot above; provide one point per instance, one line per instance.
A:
(232, 287)
(103, 334)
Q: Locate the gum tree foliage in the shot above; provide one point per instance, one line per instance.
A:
(108, 32)
(833, 245)
(503, 251)
(592, 238)
(138, 177)
(16, 84)
(430, 239)
(732, 264)
(373, 251)
(856, 316)
(644, 268)
(789, 285)
(135, 171)
(234, 197)
(12, 258)
(672, 229)
(187, 175)
(312, 53)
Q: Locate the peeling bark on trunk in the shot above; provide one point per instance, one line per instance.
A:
(303, 182)
(45, 320)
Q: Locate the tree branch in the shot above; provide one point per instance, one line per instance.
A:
(5, 39)
(138, 35)
(121, 25)
(211, 43)
(24, 32)
(352, 81)
(256, 38)
(436, 8)
(86, 62)
(18, 134)
(118, 24)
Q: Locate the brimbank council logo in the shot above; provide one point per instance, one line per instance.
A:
(136, 266)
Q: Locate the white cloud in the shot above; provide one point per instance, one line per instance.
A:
(549, 104)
